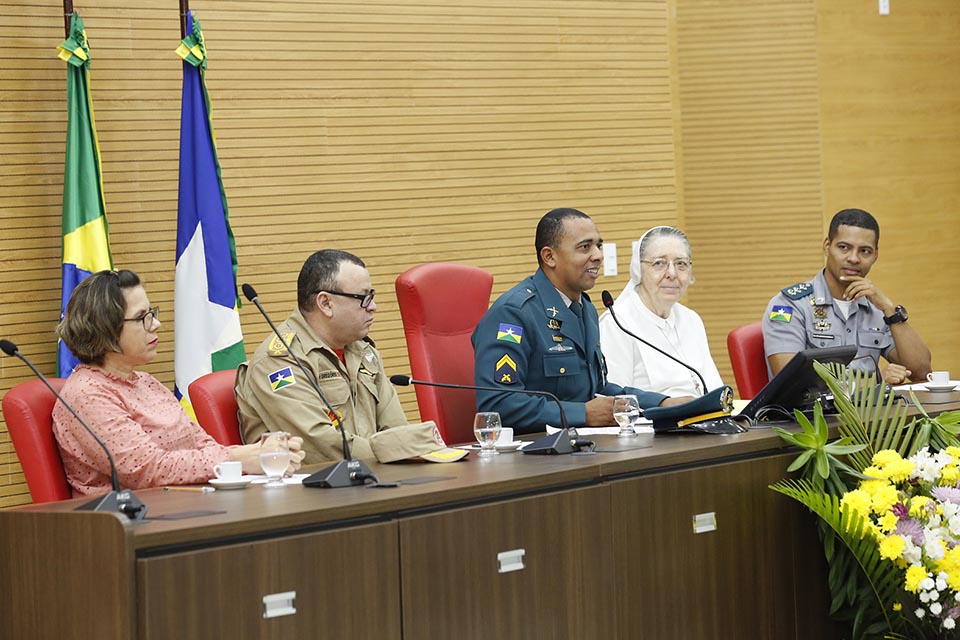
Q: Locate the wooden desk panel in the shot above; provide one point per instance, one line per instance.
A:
(451, 585)
(729, 583)
(65, 575)
(347, 585)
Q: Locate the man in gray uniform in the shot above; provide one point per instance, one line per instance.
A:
(841, 306)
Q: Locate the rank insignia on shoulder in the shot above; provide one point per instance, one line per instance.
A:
(282, 378)
(506, 372)
(781, 313)
(510, 333)
(799, 290)
(276, 347)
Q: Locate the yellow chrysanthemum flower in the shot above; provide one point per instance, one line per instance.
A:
(858, 500)
(872, 486)
(950, 564)
(897, 606)
(887, 522)
(949, 475)
(873, 472)
(891, 547)
(884, 499)
(917, 504)
(915, 575)
(885, 456)
(899, 471)
(954, 452)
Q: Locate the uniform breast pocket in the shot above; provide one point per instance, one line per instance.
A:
(561, 364)
(369, 385)
(336, 389)
(874, 340)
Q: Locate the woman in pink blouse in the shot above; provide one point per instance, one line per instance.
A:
(111, 328)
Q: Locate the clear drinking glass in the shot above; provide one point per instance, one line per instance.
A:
(486, 428)
(626, 411)
(275, 456)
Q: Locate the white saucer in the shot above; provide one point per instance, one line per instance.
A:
(220, 483)
(950, 386)
(509, 446)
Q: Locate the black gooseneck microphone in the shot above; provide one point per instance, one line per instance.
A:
(346, 473)
(564, 441)
(608, 303)
(118, 500)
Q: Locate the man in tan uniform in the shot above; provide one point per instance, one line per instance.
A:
(328, 332)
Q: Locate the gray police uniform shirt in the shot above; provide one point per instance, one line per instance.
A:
(806, 316)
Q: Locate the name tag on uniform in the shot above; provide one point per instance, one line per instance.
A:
(822, 336)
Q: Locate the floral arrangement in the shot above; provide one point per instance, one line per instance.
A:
(913, 509)
(887, 493)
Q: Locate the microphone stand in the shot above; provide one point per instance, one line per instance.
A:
(346, 473)
(117, 500)
(564, 441)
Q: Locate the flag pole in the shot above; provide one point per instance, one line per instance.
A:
(67, 13)
(184, 10)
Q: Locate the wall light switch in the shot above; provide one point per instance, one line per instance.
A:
(610, 259)
(884, 7)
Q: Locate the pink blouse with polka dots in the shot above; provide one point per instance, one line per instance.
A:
(151, 438)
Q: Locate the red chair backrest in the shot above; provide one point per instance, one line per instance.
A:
(441, 304)
(745, 345)
(28, 409)
(215, 405)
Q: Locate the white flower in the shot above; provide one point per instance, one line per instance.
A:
(949, 623)
(924, 597)
(927, 583)
(935, 608)
(941, 581)
(934, 550)
(920, 612)
(911, 552)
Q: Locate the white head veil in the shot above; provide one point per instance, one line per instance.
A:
(643, 245)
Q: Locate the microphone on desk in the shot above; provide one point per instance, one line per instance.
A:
(563, 441)
(118, 500)
(346, 473)
(608, 303)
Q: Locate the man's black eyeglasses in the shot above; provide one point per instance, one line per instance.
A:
(364, 298)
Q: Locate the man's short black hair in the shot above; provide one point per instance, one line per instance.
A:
(319, 273)
(854, 218)
(550, 228)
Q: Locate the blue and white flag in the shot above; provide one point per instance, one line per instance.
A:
(206, 322)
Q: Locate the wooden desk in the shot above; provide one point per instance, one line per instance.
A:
(609, 553)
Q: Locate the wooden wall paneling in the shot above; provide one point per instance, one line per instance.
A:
(749, 152)
(400, 131)
(889, 95)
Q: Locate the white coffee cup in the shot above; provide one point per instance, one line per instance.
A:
(939, 378)
(506, 435)
(229, 471)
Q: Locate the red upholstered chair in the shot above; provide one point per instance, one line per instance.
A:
(745, 345)
(28, 409)
(215, 405)
(441, 304)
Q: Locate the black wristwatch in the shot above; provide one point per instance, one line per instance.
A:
(899, 315)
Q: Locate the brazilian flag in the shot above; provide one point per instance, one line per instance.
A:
(86, 248)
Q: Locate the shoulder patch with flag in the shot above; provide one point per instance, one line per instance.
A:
(506, 370)
(781, 314)
(282, 378)
(510, 333)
